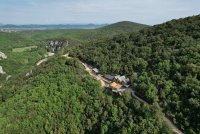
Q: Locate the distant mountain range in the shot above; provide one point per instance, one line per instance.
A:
(51, 26)
(125, 25)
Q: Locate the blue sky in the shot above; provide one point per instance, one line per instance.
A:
(95, 11)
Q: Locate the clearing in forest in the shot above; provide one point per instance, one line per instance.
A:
(22, 49)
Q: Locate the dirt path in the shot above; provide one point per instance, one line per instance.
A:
(67, 56)
(171, 125)
(41, 61)
(47, 55)
(105, 82)
(136, 97)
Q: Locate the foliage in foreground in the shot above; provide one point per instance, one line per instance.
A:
(60, 97)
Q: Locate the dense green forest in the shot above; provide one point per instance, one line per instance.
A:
(60, 97)
(20, 62)
(163, 63)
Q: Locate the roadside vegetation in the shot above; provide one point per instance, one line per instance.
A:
(60, 97)
(31, 45)
(163, 63)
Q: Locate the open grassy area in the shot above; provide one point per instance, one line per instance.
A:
(22, 49)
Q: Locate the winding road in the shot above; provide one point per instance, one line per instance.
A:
(105, 82)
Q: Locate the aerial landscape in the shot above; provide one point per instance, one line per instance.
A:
(99, 67)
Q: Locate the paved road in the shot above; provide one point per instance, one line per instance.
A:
(168, 122)
(41, 61)
(105, 82)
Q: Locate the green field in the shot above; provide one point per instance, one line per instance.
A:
(22, 49)
(25, 48)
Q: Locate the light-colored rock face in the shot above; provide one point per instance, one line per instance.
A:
(8, 77)
(2, 56)
(48, 54)
(1, 70)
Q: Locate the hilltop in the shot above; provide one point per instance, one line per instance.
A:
(124, 26)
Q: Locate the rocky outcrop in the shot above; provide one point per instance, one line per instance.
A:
(29, 73)
(1, 70)
(2, 56)
(54, 45)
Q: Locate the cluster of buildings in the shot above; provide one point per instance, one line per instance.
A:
(7, 30)
(117, 83)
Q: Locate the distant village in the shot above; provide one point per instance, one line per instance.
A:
(7, 30)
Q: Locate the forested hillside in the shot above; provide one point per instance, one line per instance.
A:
(22, 60)
(163, 63)
(59, 97)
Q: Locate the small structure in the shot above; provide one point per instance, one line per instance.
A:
(109, 77)
(118, 83)
(122, 80)
(95, 70)
(115, 86)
